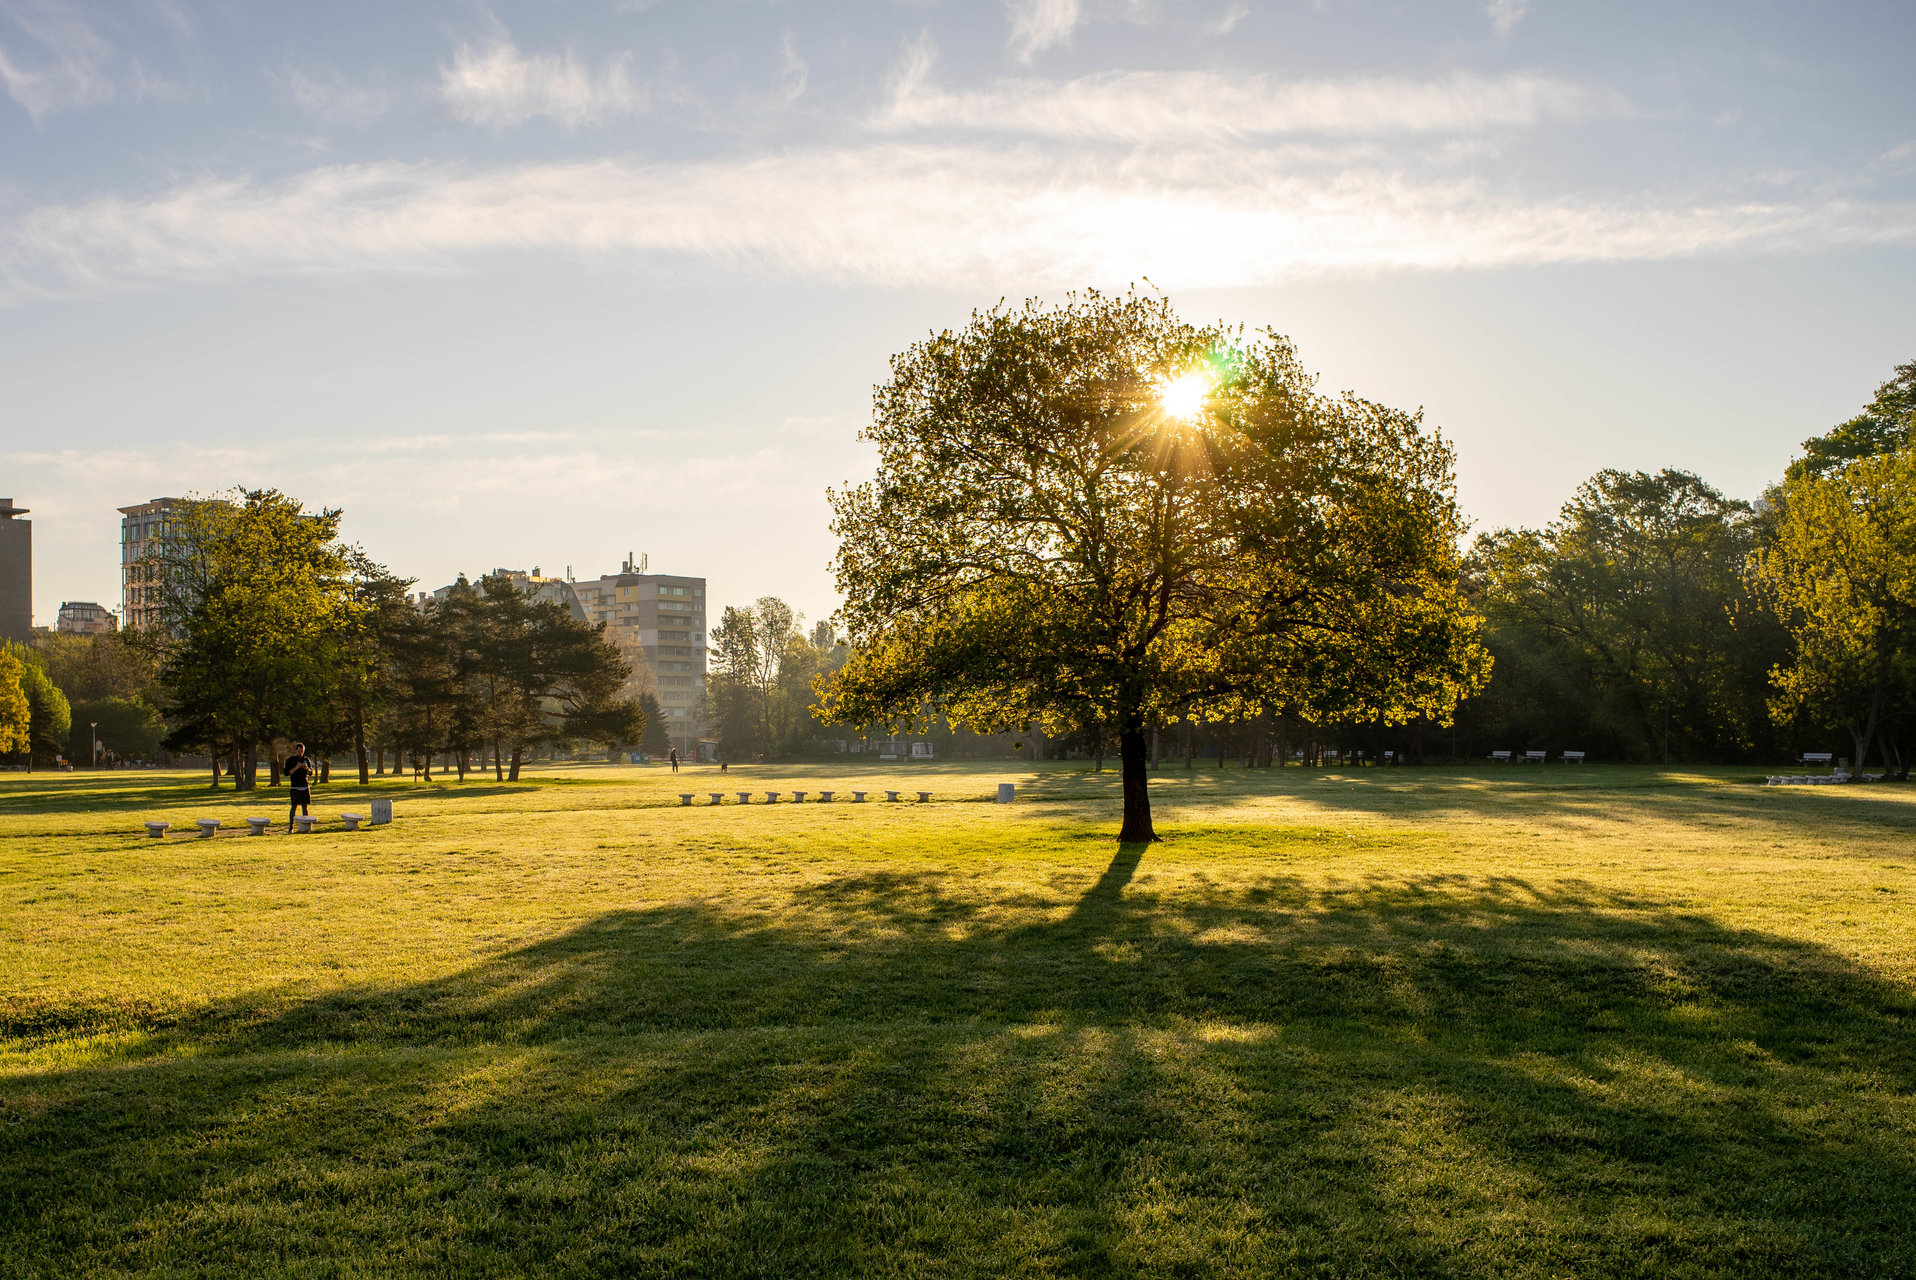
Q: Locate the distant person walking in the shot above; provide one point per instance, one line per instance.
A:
(673, 756)
(299, 777)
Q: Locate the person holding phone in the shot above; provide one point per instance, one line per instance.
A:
(299, 777)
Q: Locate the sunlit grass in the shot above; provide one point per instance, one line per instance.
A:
(1538, 1021)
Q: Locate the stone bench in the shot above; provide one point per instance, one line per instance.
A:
(352, 820)
(257, 826)
(825, 797)
(208, 827)
(303, 824)
(158, 830)
(892, 796)
(745, 797)
(858, 797)
(771, 797)
(798, 797)
(924, 797)
(685, 797)
(718, 797)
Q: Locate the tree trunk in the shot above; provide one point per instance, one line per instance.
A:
(465, 759)
(498, 763)
(245, 767)
(516, 749)
(1137, 789)
(359, 746)
(210, 750)
(425, 762)
(272, 766)
(1868, 734)
(325, 768)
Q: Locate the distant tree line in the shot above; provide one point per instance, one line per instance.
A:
(272, 630)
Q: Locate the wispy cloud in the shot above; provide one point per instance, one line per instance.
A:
(1152, 106)
(498, 85)
(330, 97)
(973, 218)
(1506, 14)
(1037, 25)
(54, 59)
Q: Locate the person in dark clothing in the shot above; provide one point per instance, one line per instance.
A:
(674, 758)
(299, 776)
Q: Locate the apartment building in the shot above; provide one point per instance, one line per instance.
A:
(141, 526)
(534, 584)
(663, 616)
(16, 573)
(85, 618)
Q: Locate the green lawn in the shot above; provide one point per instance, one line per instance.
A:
(1511, 1022)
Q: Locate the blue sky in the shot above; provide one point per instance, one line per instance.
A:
(542, 283)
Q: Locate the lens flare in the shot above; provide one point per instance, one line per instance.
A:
(1183, 397)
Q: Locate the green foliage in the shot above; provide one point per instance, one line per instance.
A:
(1044, 540)
(50, 716)
(1842, 576)
(1886, 425)
(128, 728)
(261, 610)
(653, 739)
(16, 713)
(1626, 626)
(91, 667)
(758, 692)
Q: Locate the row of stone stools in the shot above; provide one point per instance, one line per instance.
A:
(302, 823)
(798, 797)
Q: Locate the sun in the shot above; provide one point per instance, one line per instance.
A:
(1183, 397)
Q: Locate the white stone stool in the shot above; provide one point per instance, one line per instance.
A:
(352, 820)
(798, 797)
(685, 797)
(892, 796)
(257, 826)
(158, 830)
(924, 797)
(858, 797)
(718, 797)
(303, 824)
(825, 797)
(745, 797)
(771, 797)
(207, 827)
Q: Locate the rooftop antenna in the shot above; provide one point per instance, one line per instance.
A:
(636, 563)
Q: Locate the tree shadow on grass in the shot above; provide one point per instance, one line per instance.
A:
(1449, 1075)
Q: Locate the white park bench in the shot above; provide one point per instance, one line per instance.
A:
(858, 797)
(798, 797)
(718, 797)
(1534, 757)
(303, 824)
(892, 796)
(352, 820)
(924, 797)
(208, 827)
(1573, 757)
(257, 826)
(1500, 757)
(1816, 757)
(158, 830)
(745, 797)
(825, 797)
(685, 797)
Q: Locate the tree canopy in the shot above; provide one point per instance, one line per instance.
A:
(1097, 514)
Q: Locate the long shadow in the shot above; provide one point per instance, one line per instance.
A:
(1446, 1076)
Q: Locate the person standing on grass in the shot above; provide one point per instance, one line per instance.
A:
(673, 756)
(299, 777)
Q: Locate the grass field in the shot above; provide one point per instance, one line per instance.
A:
(1512, 1022)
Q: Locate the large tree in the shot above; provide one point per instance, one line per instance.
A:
(1841, 573)
(1096, 514)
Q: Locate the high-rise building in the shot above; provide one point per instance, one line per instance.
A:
(16, 573)
(663, 616)
(85, 618)
(141, 525)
